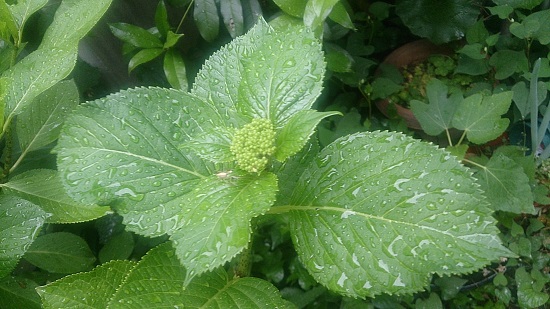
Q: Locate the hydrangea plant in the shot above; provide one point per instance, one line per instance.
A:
(374, 212)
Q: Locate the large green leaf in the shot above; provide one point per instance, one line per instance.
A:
(379, 212)
(40, 124)
(18, 292)
(480, 116)
(43, 187)
(317, 11)
(60, 252)
(123, 150)
(435, 117)
(216, 224)
(440, 21)
(216, 290)
(232, 13)
(20, 222)
(264, 74)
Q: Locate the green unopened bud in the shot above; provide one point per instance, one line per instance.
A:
(253, 144)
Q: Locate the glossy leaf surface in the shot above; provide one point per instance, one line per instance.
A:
(380, 212)
(207, 19)
(20, 222)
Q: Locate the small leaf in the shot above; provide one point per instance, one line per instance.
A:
(338, 59)
(479, 116)
(340, 15)
(206, 18)
(217, 216)
(534, 26)
(171, 39)
(41, 123)
(295, 134)
(161, 19)
(174, 69)
(135, 35)
(18, 292)
(292, 7)
(403, 211)
(92, 289)
(8, 22)
(119, 247)
(507, 62)
(521, 96)
(22, 10)
(506, 185)
(435, 117)
(521, 4)
(232, 13)
(143, 56)
(43, 187)
(317, 11)
(528, 296)
(60, 252)
(225, 292)
(20, 222)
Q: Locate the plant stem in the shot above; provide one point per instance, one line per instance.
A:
(184, 15)
(449, 137)
(242, 269)
(461, 138)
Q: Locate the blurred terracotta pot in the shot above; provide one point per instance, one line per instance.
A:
(416, 51)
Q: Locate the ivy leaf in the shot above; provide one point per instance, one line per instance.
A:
(61, 252)
(123, 150)
(217, 216)
(44, 188)
(232, 13)
(264, 74)
(506, 185)
(435, 117)
(403, 210)
(507, 62)
(217, 290)
(528, 295)
(534, 26)
(206, 18)
(20, 222)
(295, 134)
(41, 123)
(479, 116)
(119, 284)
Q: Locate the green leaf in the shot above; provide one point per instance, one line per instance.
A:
(295, 134)
(119, 247)
(43, 187)
(56, 55)
(521, 96)
(20, 222)
(506, 185)
(171, 39)
(161, 19)
(122, 151)
(507, 62)
(442, 21)
(232, 13)
(340, 15)
(292, 7)
(40, 124)
(435, 117)
(18, 292)
(143, 56)
(218, 290)
(135, 35)
(214, 145)
(174, 69)
(528, 296)
(121, 284)
(480, 116)
(316, 11)
(22, 10)
(534, 26)
(271, 74)
(206, 18)
(522, 4)
(91, 290)
(338, 59)
(8, 22)
(60, 252)
(379, 212)
(216, 223)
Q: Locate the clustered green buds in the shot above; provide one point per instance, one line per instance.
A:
(253, 144)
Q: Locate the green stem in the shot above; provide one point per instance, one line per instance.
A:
(473, 163)
(8, 153)
(461, 138)
(449, 137)
(184, 15)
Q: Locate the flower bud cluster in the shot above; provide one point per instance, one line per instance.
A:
(253, 144)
